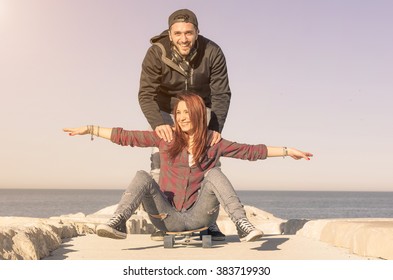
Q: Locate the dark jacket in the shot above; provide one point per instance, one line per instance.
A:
(162, 79)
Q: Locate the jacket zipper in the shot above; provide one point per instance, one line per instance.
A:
(190, 76)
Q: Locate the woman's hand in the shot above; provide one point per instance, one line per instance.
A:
(291, 152)
(77, 131)
(93, 130)
(296, 154)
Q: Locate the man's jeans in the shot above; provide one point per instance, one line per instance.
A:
(215, 190)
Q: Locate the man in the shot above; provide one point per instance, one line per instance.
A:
(182, 60)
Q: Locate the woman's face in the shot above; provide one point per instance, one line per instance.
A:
(183, 117)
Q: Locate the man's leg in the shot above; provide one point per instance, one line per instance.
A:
(155, 164)
(214, 230)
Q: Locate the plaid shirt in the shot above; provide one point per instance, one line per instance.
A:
(180, 182)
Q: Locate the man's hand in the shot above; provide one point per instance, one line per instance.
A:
(164, 132)
(216, 138)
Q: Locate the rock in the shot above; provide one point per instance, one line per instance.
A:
(365, 237)
(292, 226)
(30, 238)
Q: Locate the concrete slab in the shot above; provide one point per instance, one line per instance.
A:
(141, 247)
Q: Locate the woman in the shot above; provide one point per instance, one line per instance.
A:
(190, 188)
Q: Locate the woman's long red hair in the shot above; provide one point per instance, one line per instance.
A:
(198, 117)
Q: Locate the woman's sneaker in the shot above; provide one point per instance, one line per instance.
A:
(246, 231)
(115, 228)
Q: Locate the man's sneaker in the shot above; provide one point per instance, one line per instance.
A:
(115, 228)
(246, 231)
(157, 235)
(215, 233)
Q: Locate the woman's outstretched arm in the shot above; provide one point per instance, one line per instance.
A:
(284, 151)
(92, 130)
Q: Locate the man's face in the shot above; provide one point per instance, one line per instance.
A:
(183, 36)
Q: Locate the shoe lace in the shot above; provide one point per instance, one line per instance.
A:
(115, 220)
(245, 225)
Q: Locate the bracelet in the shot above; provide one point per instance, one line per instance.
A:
(90, 129)
(284, 152)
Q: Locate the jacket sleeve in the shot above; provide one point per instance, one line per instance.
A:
(150, 82)
(220, 90)
(242, 151)
(134, 138)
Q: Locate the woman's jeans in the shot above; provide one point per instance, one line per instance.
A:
(215, 190)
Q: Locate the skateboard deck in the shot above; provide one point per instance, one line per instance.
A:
(189, 237)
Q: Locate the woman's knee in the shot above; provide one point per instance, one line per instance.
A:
(215, 171)
(141, 178)
(142, 174)
(215, 175)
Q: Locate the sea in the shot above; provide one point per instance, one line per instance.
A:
(45, 203)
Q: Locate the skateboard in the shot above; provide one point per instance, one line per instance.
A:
(189, 237)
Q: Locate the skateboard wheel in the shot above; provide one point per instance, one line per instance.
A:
(206, 241)
(169, 241)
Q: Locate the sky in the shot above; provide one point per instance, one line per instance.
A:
(314, 75)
